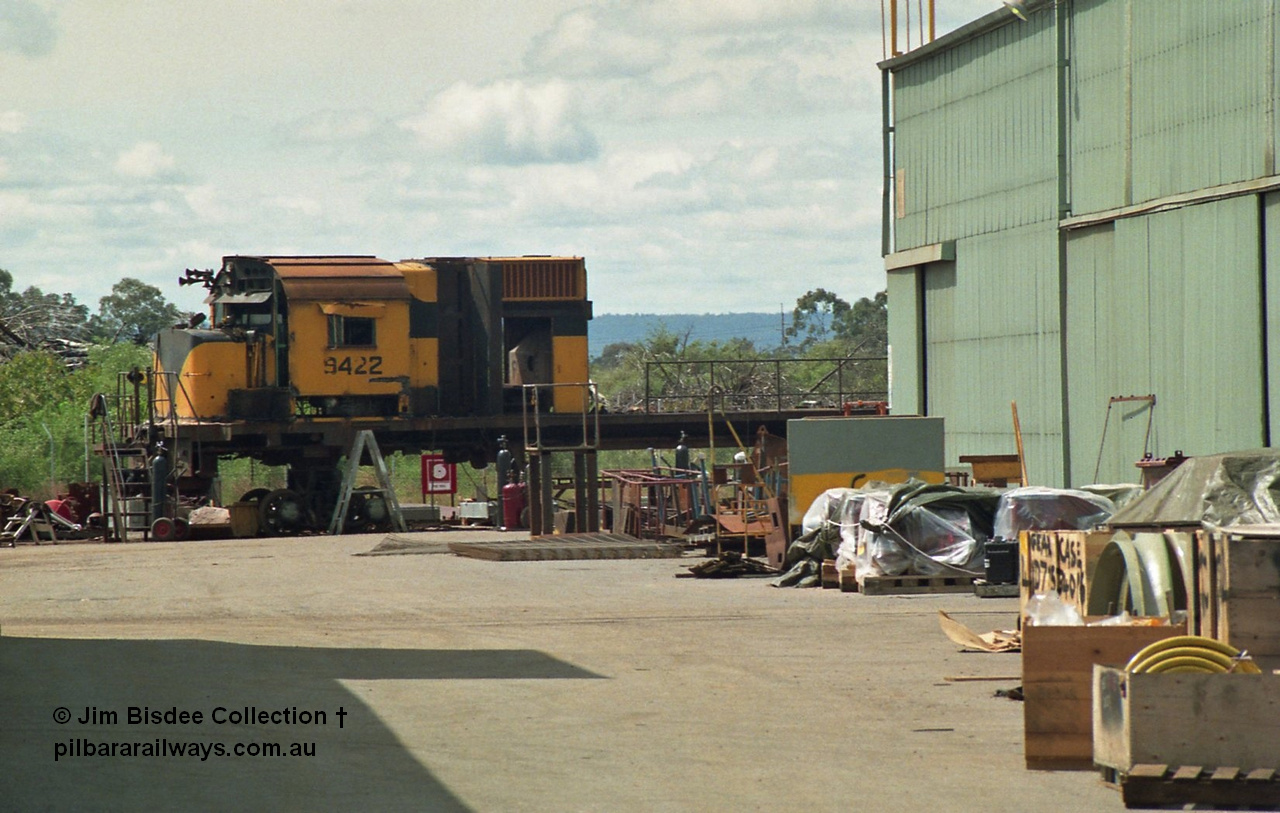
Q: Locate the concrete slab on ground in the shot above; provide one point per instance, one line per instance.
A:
(457, 684)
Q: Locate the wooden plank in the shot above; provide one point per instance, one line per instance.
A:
(1147, 771)
(1252, 623)
(1224, 774)
(830, 576)
(1186, 719)
(848, 580)
(1250, 565)
(1187, 773)
(1064, 561)
(1057, 751)
(1207, 583)
(909, 585)
(587, 546)
(1246, 573)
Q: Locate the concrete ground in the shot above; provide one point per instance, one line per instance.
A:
(486, 686)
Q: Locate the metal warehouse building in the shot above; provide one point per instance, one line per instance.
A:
(1081, 206)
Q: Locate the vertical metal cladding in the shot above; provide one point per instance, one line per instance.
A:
(1169, 96)
(1164, 282)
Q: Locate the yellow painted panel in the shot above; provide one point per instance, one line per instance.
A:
(805, 488)
(421, 280)
(210, 370)
(424, 355)
(569, 357)
(317, 369)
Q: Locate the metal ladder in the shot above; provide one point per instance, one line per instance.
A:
(365, 440)
(121, 493)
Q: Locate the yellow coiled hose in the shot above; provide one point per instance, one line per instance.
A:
(1191, 653)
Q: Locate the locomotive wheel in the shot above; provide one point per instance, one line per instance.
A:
(255, 495)
(356, 515)
(281, 512)
(367, 511)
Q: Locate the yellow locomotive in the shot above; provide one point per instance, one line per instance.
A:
(300, 353)
(360, 337)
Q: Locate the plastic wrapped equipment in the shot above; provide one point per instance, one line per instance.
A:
(1036, 508)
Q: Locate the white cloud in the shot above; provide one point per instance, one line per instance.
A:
(507, 122)
(145, 160)
(331, 126)
(589, 42)
(12, 122)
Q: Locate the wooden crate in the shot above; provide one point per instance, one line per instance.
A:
(1057, 684)
(1058, 560)
(1212, 721)
(1238, 582)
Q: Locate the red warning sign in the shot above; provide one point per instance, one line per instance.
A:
(438, 477)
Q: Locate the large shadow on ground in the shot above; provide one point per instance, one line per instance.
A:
(360, 766)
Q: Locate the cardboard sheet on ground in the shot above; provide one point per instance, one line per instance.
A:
(970, 641)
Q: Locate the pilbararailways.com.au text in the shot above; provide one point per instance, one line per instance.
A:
(80, 747)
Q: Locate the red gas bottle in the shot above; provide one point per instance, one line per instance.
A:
(513, 500)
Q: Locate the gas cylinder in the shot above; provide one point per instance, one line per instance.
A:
(513, 500)
(682, 454)
(160, 470)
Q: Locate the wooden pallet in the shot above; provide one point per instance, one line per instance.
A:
(1164, 785)
(907, 585)
(572, 546)
(830, 576)
(848, 580)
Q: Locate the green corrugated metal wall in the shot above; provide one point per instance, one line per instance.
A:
(1165, 305)
(1168, 96)
(1165, 97)
(991, 339)
(976, 142)
(976, 138)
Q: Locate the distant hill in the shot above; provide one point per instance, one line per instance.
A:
(764, 329)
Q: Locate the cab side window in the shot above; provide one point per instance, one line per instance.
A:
(351, 331)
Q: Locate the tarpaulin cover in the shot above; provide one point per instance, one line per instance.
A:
(830, 530)
(1036, 508)
(1235, 488)
(929, 530)
(889, 530)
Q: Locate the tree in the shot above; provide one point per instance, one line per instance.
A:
(817, 317)
(37, 318)
(134, 311)
(826, 320)
(42, 411)
(867, 324)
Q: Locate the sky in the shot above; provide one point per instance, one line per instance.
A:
(705, 156)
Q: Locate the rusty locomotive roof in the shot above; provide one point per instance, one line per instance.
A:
(335, 278)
